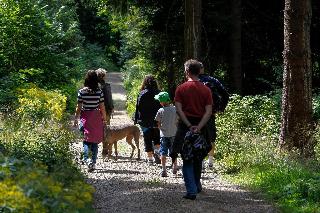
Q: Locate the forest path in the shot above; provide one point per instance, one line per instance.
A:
(126, 185)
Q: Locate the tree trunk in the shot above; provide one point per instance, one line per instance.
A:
(236, 71)
(296, 118)
(192, 29)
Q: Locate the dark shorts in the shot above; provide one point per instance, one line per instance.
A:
(211, 130)
(151, 137)
(166, 145)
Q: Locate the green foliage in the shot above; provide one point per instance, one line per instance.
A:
(28, 187)
(246, 117)
(39, 43)
(46, 141)
(136, 45)
(294, 186)
(94, 57)
(316, 108)
(247, 153)
(36, 103)
(134, 73)
(31, 36)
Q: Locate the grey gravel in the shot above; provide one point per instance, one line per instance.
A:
(129, 185)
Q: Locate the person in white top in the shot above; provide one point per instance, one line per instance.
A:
(166, 118)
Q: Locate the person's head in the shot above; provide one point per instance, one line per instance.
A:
(163, 98)
(201, 68)
(192, 67)
(102, 75)
(91, 80)
(150, 83)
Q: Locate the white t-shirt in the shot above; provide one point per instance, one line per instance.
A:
(167, 117)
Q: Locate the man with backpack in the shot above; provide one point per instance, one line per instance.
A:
(193, 101)
(220, 100)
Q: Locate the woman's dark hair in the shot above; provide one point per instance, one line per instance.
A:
(150, 83)
(91, 80)
(192, 66)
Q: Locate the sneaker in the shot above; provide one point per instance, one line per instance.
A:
(150, 162)
(91, 167)
(174, 170)
(86, 162)
(164, 174)
(156, 158)
(190, 197)
(203, 170)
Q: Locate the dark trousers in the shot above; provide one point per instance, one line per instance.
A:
(151, 138)
(191, 171)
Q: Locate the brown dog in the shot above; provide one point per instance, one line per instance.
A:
(114, 133)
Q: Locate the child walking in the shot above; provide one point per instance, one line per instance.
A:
(91, 111)
(166, 118)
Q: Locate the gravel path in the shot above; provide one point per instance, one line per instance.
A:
(133, 186)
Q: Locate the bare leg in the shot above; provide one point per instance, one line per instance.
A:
(163, 162)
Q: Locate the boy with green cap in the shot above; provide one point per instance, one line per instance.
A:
(167, 119)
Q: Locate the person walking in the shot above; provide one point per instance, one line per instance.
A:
(91, 111)
(193, 101)
(220, 98)
(145, 112)
(167, 123)
(106, 89)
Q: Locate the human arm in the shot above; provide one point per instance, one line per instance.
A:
(77, 113)
(136, 112)
(103, 111)
(204, 119)
(181, 114)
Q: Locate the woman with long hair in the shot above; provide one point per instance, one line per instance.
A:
(91, 111)
(146, 110)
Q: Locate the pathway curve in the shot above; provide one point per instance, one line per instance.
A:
(126, 185)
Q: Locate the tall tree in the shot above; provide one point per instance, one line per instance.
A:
(192, 29)
(296, 120)
(236, 71)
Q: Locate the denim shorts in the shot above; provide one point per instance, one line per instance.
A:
(166, 145)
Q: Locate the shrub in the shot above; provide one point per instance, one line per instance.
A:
(36, 103)
(28, 187)
(44, 141)
(248, 125)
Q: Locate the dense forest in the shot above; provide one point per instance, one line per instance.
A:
(46, 46)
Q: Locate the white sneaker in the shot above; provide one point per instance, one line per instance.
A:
(210, 163)
(203, 166)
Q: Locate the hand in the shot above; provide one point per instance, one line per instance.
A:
(75, 123)
(194, 129)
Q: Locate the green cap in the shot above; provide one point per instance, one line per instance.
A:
(162, 97)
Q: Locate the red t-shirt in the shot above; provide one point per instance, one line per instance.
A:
(194, 96)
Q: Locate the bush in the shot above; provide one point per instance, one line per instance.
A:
(248, 125)
(37, 104)
(28, 187)
(44, 141)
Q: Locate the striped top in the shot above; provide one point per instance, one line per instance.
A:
(90, 100)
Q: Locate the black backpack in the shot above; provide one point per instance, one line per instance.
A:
(220, 95)
(195, 147)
